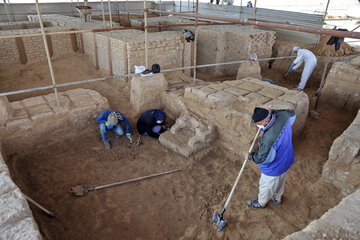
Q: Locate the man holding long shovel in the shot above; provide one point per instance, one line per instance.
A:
(275, 155)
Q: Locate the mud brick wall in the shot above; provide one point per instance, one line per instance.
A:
(229, 105)
(231, 43)
(89, 47)
(31, 49)
(117, 52)
(342, 87)
(8, 51)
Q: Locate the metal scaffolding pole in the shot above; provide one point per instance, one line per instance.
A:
(254, 10)
(272, 25)
(196, 37)
(110, 13)
(326, 9)
(102, 11)
(47, 51)
(240, 9)
(130, 75)
(7, 11)
(146, 35)
(160, 9)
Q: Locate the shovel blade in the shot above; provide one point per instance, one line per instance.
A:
(220, 222)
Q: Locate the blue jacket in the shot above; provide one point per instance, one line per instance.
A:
(104, 115)
(276, 154)
(147, 121)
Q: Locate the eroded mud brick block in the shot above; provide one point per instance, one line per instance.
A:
(257, 98)
(236, 91)
(34, 101)
(271, 92)
(221, 97)
(189, 135)
(252, 87)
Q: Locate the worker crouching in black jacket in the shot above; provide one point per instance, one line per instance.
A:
(152, 123)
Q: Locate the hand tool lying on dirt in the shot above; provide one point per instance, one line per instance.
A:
(81, 190)
(50, 214)
(218, 218)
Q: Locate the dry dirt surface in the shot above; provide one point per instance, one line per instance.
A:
(175, 206)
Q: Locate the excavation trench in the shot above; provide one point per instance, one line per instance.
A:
(176, 206)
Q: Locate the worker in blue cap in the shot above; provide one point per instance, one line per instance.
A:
(152, 123)
(111, 121)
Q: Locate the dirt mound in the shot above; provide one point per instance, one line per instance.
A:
(321, 48)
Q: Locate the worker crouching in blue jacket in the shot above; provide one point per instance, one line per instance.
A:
(152, 123)
(111, 121)
(275, 155)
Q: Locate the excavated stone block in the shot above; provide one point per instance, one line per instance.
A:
(145, 92)
(341, 89)
(231, 112)
(6, 110)
(236, 91)
(250, 86)
(188, 135)
(340, 222)
(24, 229)
(7, 185)
(13, 208)
(343, 165)
(249, 69)
(257, 98)
(271, 92)
(355, 61)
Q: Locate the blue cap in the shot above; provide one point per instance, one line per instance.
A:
(159, 115)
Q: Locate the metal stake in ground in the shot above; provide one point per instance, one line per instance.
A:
(81, 190)
(218, 218)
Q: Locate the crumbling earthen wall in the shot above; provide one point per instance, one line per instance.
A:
(342, 87)
(16, 219)
(340, 222)
(343, 166)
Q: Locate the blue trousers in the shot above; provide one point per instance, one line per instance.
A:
(117, 130)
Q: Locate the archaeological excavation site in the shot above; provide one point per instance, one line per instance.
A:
(146, 120)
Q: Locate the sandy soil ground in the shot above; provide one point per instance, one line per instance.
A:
(177, 206)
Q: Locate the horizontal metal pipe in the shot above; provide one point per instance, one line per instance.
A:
(111, 29)
(129, 75)
(271, 25)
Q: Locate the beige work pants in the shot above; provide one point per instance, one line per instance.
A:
(270, 187)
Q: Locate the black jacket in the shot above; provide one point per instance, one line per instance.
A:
(146, 123)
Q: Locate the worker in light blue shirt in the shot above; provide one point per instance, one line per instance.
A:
(111, 121)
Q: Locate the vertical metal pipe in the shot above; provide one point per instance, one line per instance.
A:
(102, 11)
(110, 13)
(47, 51)
(146, 36)
(180, 5)
(196, 36)
(7, 11)
(254, 11)
(240, 9)
(326, 10)
(173, 6)
(160, 10)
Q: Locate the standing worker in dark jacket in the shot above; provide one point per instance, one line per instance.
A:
(111, 121)
(152, 123)
(275, 155)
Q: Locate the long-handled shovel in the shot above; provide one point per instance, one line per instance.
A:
(218, 218)
(81, 190)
